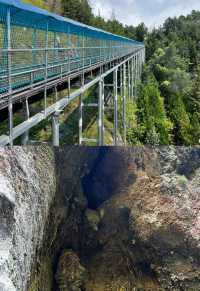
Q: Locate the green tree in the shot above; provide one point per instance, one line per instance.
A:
(154, 126)
(181, 120)
(79, 10)
(140, 32)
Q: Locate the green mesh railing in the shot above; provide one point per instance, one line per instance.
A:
(36, 45)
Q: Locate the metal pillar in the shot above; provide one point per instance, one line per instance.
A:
(115, 106)
(69, 86)
(121, 81)
(135, 76)
(56, 93)
(26, 112)
(100, 114)
(80, 124)
(55, 129)
(132, 78)
(124, 103)
(81, 111)
(34, 38)
(10, 105)
(139, 64)
(129, 84)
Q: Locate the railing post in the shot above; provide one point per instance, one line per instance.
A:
(46, 66)
(83, 48)
(55, 129)
(34, 37)
(68, 46)
(124, 103)
(10, 105)
(115, 106)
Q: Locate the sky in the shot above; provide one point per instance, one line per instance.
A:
(151, 12)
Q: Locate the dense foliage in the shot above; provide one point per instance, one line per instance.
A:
(173, 58)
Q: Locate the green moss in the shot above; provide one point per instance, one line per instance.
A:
(182, 180)
(43, 280)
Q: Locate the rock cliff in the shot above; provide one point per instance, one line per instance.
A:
(99, 219)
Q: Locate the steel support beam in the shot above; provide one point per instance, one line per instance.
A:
(100, 114)
(121, 80)
(132, 79)
(26, 113)
(55, 129)
(80, 123)
(115, 106)
(124, 103)
(81, 110)
(129, 81)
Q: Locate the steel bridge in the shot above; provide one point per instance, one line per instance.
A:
(40, 50)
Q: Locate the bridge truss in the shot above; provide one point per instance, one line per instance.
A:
(40, 50)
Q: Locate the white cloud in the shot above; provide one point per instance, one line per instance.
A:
(151, 12)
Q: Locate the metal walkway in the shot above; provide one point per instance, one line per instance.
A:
(40, 50)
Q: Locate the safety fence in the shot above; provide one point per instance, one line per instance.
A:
(36, 46)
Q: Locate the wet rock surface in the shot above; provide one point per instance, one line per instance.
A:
(118, 219)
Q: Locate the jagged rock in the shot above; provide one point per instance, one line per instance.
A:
(27, 188)
(162, 219)
(142, 233)
(70, 274)
(92, 219)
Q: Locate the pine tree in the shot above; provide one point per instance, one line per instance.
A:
(78, 10)
(151, 115)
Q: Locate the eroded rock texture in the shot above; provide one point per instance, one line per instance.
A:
(100, 219)
(148, 237)
(27, 187)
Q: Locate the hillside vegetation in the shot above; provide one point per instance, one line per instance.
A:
(168, 108)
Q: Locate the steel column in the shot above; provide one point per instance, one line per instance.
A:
(55, 129)
(121, 80)
(136, 76)
(129, 84)
(115, 106)
(25, 136)
(80, 124)
(101, 113)
(81, 112)
(124, 103)
(132, 78)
